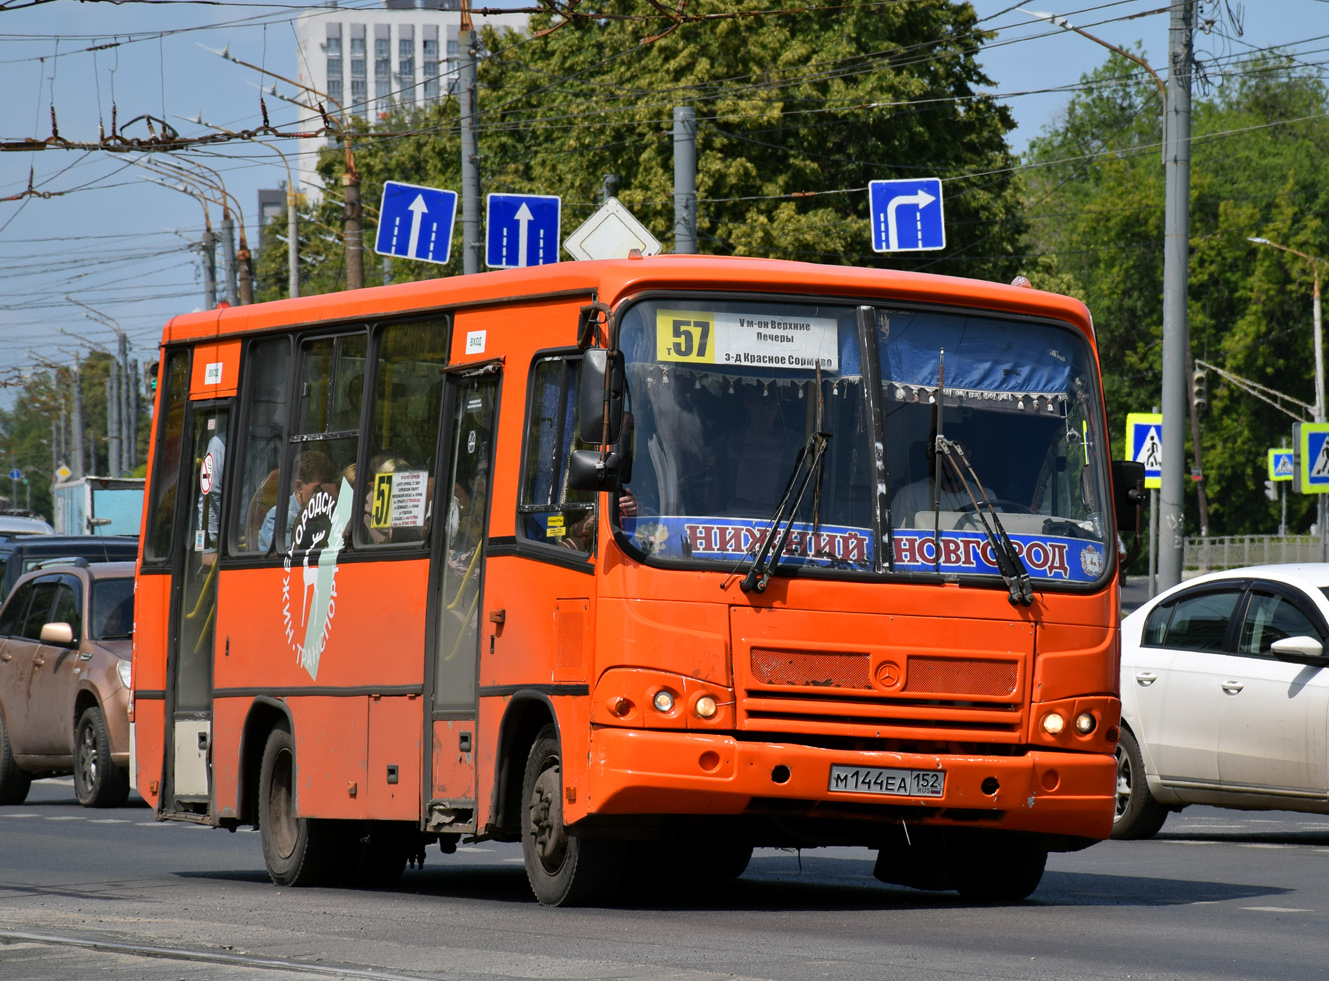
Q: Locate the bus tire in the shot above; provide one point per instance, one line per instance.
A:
(14, 783)
(1138, 815)
(298, 851)
(563, 870)
(97, 781)
(990, 869)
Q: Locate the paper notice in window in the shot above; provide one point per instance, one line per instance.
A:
(747, 340)
(408, 498)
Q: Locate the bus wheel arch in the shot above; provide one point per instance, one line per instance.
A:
(265, 715)
(527, 713)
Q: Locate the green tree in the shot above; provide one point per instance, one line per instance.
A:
(796, 111)
(1094, 194)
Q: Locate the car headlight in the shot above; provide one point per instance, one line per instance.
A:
(126, 670)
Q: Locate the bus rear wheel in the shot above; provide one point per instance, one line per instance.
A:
(563, 870)
(298, 851)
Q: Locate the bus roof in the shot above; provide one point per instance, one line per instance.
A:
(614, 279)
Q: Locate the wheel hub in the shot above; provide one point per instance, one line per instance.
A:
(549, 841)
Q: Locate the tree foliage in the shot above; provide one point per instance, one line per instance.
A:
(796, 112)
(1260, 168)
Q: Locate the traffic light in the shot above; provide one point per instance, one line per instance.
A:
(1199, 388)
(1271, 490)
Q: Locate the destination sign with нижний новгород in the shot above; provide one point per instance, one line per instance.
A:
(745, 340)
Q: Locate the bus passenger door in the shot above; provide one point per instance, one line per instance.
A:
(195, 615)
(456, 596)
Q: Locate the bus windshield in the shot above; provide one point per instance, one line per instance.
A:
(724, 395)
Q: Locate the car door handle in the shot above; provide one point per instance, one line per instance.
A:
(1145, 678)
(6, 657)
(39, 661)
(1232, 687)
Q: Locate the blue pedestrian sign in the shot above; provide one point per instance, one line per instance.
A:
(1144, 439)
(521, 230)
(1281, 466)
(906, 215)
(1312, 439)
(416, 222)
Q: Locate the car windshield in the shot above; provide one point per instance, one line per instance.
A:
(1020, 402)
(724, 394)
(112, 609)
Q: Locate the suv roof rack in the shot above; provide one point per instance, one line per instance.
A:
(75, 560)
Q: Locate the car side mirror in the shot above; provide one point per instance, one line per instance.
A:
(597, 369)
(60, 634)
(1127, 493)
(1298, 650)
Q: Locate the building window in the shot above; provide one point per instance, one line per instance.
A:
(406, 68)
(431, 75)
(382, 67)
(431, 51)
(454, 49)
(357, 58)
(359, 91)
(334, 68)
(333, 47)
(334, 89)
(405, 48)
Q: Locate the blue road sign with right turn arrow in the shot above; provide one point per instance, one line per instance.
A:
(416, 222)
(906, 215)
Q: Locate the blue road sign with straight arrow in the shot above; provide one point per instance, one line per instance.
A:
(416, 222)
(906, 215)
(521, 230)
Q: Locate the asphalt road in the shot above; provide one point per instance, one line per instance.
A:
(115, 895)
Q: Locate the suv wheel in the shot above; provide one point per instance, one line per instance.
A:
(97, 781)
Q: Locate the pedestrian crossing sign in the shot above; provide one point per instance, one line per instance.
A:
(1144, 440)
(1280, 465)
(1313, 444)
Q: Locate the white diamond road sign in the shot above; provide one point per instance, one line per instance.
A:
(906, 215)
(521, 230)
(611, 233)
(416, 222)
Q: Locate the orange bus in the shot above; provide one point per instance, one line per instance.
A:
(643, 560)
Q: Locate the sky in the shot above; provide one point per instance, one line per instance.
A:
(115, 242)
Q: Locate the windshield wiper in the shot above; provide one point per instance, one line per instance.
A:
(1009, 563)
(808, 463)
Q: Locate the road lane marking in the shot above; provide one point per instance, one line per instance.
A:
(109, 821)
(66, 817)
(1251, 844)
(472, 848)
(1276, 909)
(514, 859)
(20, 815)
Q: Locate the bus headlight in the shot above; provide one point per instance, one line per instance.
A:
(664, 701)
(1084, 723)
(705, 707)
(1053, 723)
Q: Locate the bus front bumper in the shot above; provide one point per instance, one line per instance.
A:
(641, 772)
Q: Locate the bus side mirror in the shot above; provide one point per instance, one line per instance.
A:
(596, 364)
(587, 471)
(1127, 493)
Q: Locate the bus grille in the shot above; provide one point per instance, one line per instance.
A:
(961, 676)
(815, 669)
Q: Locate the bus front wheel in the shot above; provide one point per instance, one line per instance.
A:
(298, 851)
(563, 870)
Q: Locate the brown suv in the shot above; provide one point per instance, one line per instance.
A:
(65, 635)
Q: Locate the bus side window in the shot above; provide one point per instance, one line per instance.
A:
(160, 532)
(268, 368)
(402, 439)
(320, 453)
(551, 513)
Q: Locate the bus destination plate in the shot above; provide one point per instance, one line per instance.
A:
(881, 780)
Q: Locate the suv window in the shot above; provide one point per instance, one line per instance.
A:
(1199, 623)
(38, 616)
(1270, 617)
(68, 605)
(11, 620)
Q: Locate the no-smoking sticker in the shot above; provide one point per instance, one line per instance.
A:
(205, 474)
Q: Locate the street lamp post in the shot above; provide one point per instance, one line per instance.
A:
(1321, 505)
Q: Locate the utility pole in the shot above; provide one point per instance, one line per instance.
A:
(685, 179)
(113, 421)
(292, 240)
(208, 250)
(387, 270)
(245, 264)
(1176, 255)
(607, 185)
(352, 231)
(228, 258)
(76, 381)
(467, 86)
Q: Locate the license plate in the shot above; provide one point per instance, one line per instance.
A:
(881, 780)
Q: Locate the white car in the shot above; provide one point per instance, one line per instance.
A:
(1225, 697)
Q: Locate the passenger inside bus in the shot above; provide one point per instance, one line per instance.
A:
(314, 471)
